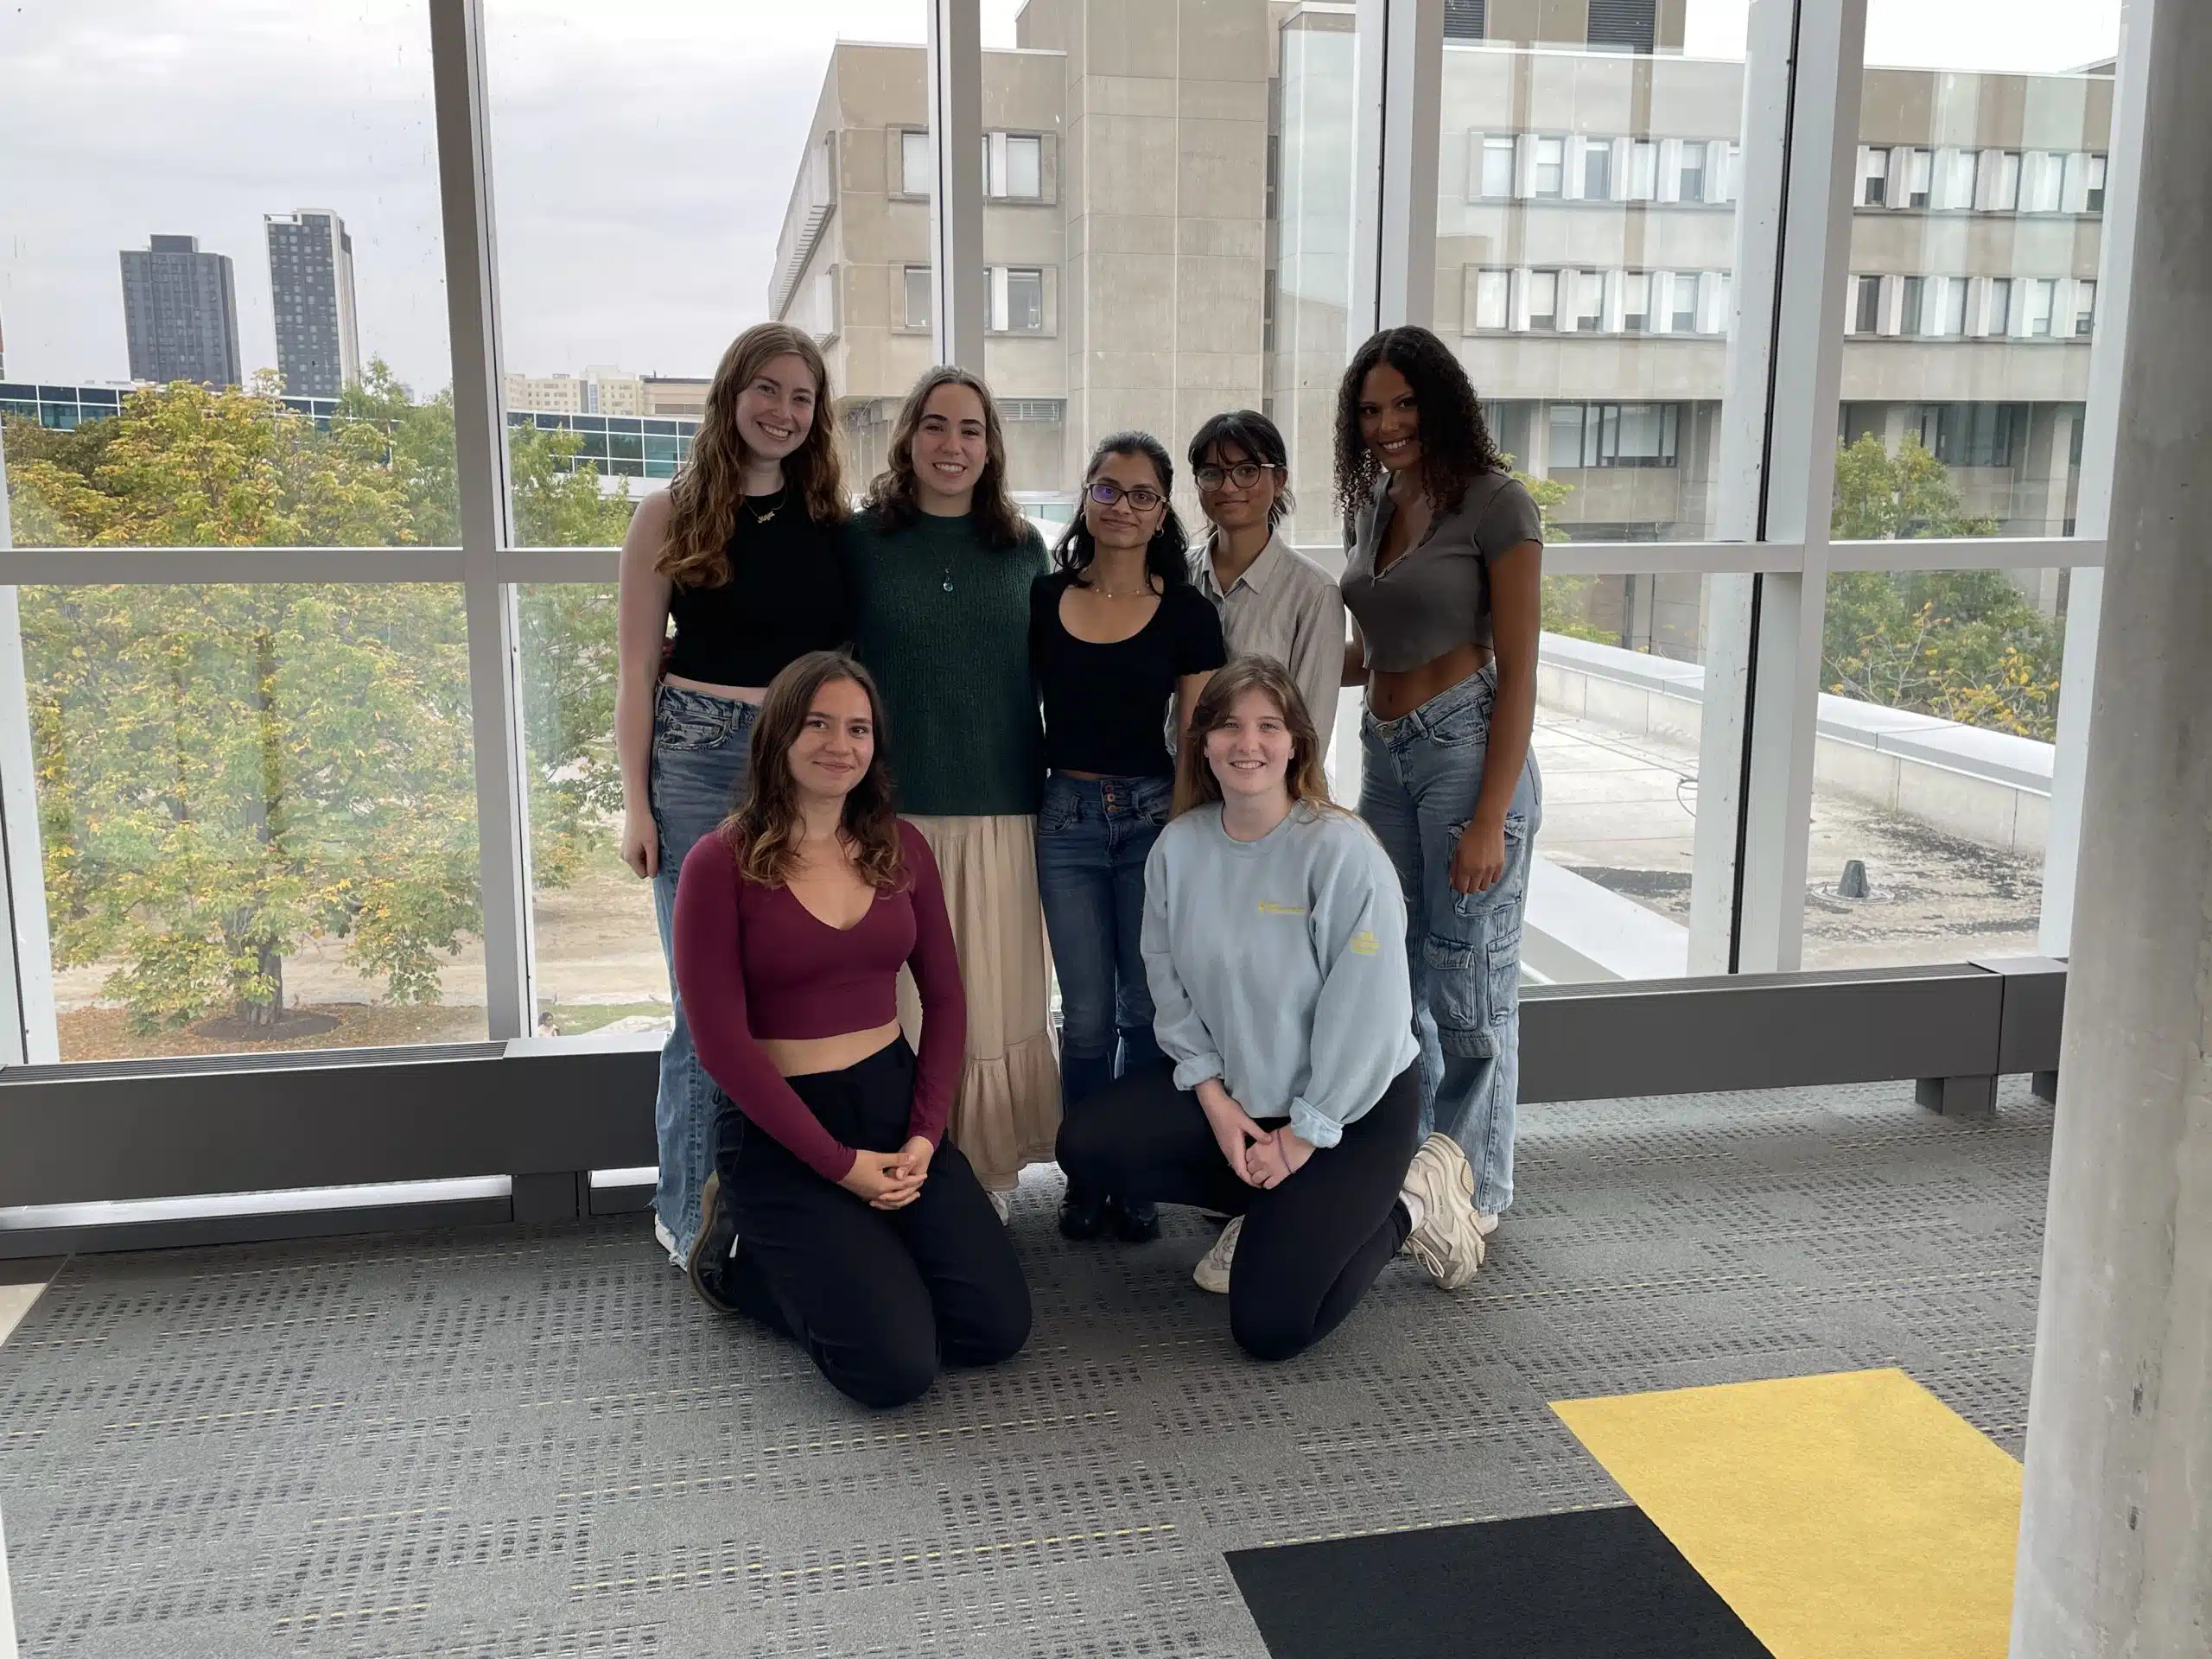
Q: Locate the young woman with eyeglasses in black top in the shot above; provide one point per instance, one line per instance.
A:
(1119, 640)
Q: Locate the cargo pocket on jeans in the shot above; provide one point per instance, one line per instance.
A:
(1458, 997)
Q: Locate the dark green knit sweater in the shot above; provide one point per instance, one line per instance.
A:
(943, 622)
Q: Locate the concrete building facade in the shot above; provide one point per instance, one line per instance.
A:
(181, 313)
(1168, 225)
(311, 283)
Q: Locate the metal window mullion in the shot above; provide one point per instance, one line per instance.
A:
(1397, 135)
(28, 1033)
(480, 457)
(2092, 503)
(1828, 69)
(958, 312)
(1740, 486)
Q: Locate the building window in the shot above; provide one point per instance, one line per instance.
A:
(2043, 182)
(1685, 317)
(2094, 201)
(2000, 307)
(1547, 176)
(1596, 170)
(2043, 296)
(1636, 302)
(1012, 167)
(1911, 319)
(1920, 174)
(1493, 294)
(2085, 309)
(1497, 165)
(1957, 181)
(1629, 23)
(1543, 300)
(1689, 184)
(1614, 435)
(1463, 20)
(914, 163)
(918, 296)
(1589, 302)
(1873, 178)
(1955, 307)
(1643, 170)
(1866, 317)
(1018, 301)
(1566, 436)
(1972, 435)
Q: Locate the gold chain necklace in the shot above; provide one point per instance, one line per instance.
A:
(763, 517)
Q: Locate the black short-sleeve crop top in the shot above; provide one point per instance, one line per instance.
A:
(1107, 707)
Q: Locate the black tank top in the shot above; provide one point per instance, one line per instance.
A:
(786, 595)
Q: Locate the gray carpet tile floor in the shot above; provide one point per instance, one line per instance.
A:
(533, 1444)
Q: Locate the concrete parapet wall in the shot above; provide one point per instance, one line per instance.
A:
(1990, 787)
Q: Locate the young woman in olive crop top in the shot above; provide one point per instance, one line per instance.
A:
(1443, 581)
(836, 1212)
(1121, 644)
(741, 552)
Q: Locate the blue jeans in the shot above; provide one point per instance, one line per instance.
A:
(700, 745)
(1093, 836)
(1421, 774)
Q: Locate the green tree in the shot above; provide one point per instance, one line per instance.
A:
(1963, 644)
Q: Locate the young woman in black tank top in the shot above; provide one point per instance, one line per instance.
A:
(742, 552)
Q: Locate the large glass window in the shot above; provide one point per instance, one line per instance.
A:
(246, 338)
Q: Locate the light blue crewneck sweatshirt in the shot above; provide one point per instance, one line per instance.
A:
(1279, 966)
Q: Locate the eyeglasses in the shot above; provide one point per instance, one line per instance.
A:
(1105, 491)
(1245, 474)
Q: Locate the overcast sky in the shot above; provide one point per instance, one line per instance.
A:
(643, 152)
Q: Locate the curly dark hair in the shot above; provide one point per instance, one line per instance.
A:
(893, 494)
(1168, 556)
(1455, 445)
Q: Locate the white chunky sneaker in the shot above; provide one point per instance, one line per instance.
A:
(1448, 1243)
(1212, 1271)
(1001, 1204)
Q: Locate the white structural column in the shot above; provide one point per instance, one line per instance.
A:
(2116, 1532)
(959, 283)
(2077, 674)
(1738, 485)
(486, 521)
(1396, 117)
(1797, 484)
(28, 1033)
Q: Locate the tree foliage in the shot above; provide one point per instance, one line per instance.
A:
(1966, 645)
(228, 772)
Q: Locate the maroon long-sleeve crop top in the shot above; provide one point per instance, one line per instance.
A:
(752, 963)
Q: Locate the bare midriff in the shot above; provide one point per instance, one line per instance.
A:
(1392, 693)
(800, 1057)
(735, 693)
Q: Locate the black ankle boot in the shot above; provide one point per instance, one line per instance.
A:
(1083, 1214)
(1133, 1221)
(709, 1260)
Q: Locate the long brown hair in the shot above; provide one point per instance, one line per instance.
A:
(1306, 779)
(764, 832)
(704, 501)
(1456, 447)
(894, 493)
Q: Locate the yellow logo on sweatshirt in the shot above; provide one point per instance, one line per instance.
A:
(1268, 907)
(1364, 944)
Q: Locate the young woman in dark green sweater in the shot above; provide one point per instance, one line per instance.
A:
(940, 562)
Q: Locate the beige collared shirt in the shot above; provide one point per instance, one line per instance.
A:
(1287, 607)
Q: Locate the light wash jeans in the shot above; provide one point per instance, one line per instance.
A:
(1093, 836)
(1421, 774)
(701, 743)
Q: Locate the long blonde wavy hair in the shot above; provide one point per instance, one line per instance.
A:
(702, 502)
(1307, 777)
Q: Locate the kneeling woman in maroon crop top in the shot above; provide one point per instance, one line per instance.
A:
(835, 1214)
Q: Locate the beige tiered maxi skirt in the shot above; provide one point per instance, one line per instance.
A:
(1007, 1115)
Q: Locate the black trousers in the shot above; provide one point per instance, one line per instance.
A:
(1310, 1247)
(881, 1298)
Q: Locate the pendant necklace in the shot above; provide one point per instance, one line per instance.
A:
(763, 517)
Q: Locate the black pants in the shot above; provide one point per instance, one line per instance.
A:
(880, 1297)
(1310, 1247)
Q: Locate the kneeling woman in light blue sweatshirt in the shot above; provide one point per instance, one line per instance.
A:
(1275, 944)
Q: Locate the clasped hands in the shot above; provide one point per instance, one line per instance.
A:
(890, 1181)
(1262, 1158)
